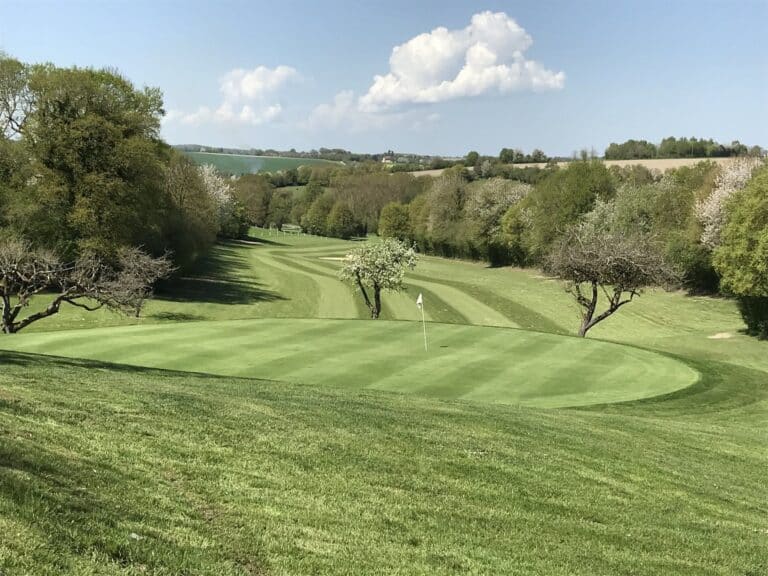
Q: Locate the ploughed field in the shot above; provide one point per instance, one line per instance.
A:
(254, 422)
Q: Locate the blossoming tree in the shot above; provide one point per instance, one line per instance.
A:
(378, 266)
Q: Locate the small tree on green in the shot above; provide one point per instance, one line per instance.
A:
(378, 266)
(594, 257)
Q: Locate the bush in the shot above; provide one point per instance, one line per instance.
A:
(754, 310)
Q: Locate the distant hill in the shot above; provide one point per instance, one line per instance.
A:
(238, 164)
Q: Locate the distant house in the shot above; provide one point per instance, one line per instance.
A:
(387, 160)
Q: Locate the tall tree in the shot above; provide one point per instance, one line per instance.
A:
(93, 141)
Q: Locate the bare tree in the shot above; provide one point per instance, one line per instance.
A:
(594, 261)
(87, 283)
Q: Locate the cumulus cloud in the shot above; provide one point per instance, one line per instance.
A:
(488, 56)
(247, 98)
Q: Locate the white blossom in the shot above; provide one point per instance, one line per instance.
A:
(711, 211)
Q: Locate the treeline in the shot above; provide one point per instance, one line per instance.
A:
(334, 202)
(83, 169)
(678, 148)
(709, 223)
(399, 159)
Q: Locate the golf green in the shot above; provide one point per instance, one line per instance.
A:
(478, 363)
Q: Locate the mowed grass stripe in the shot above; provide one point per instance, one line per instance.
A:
(475, 311)
(332, 298)
(386, 356)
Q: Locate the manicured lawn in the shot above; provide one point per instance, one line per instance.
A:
(465, 362)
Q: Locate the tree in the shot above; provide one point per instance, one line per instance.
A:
(394, 221)
(233, 221)
(711, 210)
(15, 98)
(378, 266)
(92, 142)
(742, 257)
(472, 158)
(341, 222)
(563, 197)
(316, 219)
(616, 264)
(254, 193)
(89, 282)
(193, 218)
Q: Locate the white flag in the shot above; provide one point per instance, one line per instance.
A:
(420, 301)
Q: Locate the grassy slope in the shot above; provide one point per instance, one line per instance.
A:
(226, 476)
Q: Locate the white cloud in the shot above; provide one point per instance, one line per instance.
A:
(254, 84)
(247, 98)
(486, 56)
(344, 112)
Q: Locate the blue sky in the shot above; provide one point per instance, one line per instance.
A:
(560, 76)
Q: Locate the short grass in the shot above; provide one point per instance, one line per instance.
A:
(241, 164)
(466, 362)
(120, 469)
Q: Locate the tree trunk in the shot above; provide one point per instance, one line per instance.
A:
(376, 308)
(589, 312)
(614, 303)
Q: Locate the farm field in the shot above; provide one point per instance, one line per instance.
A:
(253, 422)
(660, 164)
(237, 164)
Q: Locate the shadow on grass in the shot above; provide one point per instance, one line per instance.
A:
(223, 276)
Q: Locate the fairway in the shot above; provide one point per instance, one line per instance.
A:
(465, 362)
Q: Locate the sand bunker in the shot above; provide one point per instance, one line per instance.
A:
(720, 336)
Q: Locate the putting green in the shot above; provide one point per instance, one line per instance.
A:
(464, 362)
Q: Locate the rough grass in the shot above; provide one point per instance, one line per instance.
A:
(113, 470)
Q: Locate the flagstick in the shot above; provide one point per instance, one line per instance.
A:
(424, 325)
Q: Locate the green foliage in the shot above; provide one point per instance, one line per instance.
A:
(341, 222)
(192, 222)
(561, 199)
(672, 147)
(394, 221)
(367, 193)
(254, 193)
(280, 208)
(754, 311)
(742, 257)
(92, 176)
(316, 219)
